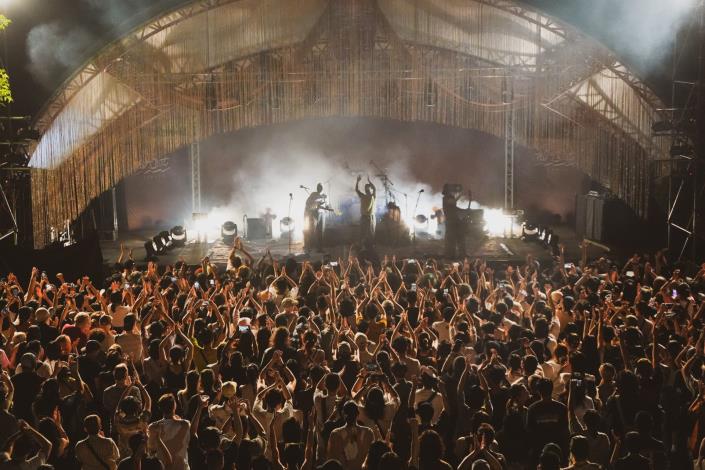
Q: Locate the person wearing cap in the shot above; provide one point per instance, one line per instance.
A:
(350, 443)
(27, 385)
(48, 332)
(227, 410)
(43, 369)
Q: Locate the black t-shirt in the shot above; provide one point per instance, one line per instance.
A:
(547, 421)
(632, 462)
(27, 386)
(48, 334)
(89, 370)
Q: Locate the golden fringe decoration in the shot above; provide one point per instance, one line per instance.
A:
(390, 59)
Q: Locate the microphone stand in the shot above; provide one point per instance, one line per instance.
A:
(413, 218)
(288, 215)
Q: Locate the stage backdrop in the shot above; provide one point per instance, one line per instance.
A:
(223, 65)
(247, 171)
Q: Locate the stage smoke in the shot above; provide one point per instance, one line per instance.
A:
(54, 49)
(641, 30)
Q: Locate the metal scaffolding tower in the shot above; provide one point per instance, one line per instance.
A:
(509, 122)
(685, 129)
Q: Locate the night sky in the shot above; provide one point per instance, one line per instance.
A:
(49, 39)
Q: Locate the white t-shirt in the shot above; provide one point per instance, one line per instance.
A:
(176, 434)
(118, 315)
(423, 395)
(265, 418)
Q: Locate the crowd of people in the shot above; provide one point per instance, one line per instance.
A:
(398, 364)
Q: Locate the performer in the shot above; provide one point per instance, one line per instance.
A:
(455, 226)
(268, 217)
(367, 211)
(315, 219)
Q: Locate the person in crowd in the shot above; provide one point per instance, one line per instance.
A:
(96, 452)
(350, 443)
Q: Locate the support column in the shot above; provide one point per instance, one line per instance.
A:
(195, 153)
(509, 118)
(115, 214)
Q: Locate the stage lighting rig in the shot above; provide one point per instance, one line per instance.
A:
(229, 232)
(162, 241)
(158, 245)
(178, 236)
(529, 231)
(151, 248)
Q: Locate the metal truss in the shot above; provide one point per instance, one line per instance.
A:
(509, 122)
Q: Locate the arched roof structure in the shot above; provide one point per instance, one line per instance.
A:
(215, 66)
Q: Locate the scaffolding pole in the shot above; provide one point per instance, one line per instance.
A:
(509, 123)
(195, 153)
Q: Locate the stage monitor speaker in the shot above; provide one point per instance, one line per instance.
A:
(256, 229)
(589, 216)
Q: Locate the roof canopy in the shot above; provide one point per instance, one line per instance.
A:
(222, 65)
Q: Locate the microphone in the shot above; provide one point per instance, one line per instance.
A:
(291, 195)
(422, 190)
(303, 187)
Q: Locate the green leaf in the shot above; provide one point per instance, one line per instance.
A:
(5, 92)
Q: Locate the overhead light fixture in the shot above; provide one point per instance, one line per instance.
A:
(229, 232)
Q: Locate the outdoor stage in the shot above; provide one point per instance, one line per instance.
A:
(494, 250)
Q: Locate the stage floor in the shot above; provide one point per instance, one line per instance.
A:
(494, 250)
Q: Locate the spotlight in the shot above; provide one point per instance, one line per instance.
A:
(529, 231)
(497, 223)
(162, 241)
(152, 250)
(178, 236)
(228, 231)
(421, 220)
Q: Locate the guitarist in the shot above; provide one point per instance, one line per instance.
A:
(314, 216)
(454, 215)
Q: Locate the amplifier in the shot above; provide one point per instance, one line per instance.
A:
(256, 229)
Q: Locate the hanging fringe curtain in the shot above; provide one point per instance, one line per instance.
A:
(247, 63)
